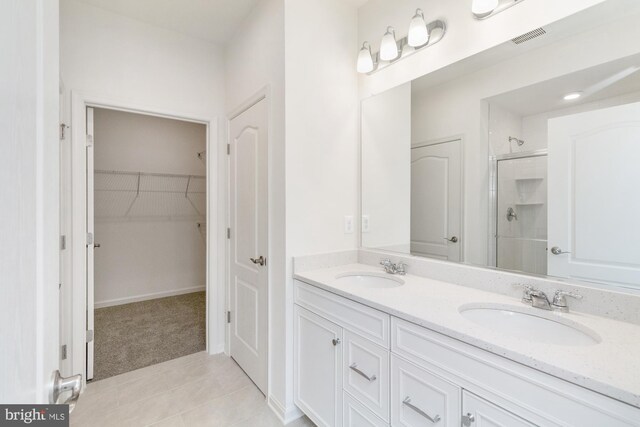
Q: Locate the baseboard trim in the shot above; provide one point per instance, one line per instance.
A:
(145, 297)
(285, 415)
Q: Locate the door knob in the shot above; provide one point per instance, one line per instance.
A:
(96, 245)
(454, 239)
(260, 261)
(62, 385)
(557, 251)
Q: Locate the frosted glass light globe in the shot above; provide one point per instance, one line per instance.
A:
(482, 8)
(365, 61)
(388, 46)
(418, 33)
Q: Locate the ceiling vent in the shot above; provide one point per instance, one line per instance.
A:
(529, 36)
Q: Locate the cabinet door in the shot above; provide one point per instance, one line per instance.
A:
(420, 398)
(480, 413)
(318, 368)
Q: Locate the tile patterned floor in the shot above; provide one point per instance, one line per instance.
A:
(192, 391)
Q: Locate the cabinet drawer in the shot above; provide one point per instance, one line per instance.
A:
(420, 398)
(485, 414)
(355, 414)
(363, 320)
(365, 373)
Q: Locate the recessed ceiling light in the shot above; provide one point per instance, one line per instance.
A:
(573, 95)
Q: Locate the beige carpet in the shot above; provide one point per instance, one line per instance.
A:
(132, 336)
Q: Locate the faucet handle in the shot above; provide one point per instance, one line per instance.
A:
(401, 268)
(527, 289)
(560, 301)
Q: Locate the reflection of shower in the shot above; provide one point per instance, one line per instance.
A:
(520, 142)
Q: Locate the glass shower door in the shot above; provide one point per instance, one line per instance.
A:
(521, 239)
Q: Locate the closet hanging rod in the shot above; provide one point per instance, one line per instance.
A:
(163, 175)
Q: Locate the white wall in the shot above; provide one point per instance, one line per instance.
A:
(321, 137)
(118, 58)
(457, 108)
(29, 198)
(465, 37)
(254, 60)
(155, 255)
(386, 169)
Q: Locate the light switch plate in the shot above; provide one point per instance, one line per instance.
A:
(348, 224)
(365, 223)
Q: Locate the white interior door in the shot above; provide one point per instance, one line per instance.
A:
(436, 207)
(249, 245)
(593, 195)
(90, 244)
(29, 196)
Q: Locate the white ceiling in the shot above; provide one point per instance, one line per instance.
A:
(597, 83)
(212, 20)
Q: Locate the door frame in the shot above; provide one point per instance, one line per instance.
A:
(77, 239)
(263, 94)
(463, 185)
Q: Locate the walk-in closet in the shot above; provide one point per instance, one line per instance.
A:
(148, 197)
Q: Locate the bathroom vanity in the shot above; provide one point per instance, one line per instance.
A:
(374, 349)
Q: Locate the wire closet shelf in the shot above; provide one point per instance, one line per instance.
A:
(139, 195)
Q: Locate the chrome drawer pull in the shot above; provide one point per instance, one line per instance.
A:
(354, 368)
(407, 401)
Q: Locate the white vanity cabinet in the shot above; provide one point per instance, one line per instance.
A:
(358, 366)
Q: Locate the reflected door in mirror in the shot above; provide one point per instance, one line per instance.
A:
(594, 172)
(436, 188)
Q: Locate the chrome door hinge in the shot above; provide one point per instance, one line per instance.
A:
(90, 335)
(228, 149)
(228, 233)
(63, 352)
(89, 239)
(228, 317)
(89, 140)
(63, 242)
(63, 128)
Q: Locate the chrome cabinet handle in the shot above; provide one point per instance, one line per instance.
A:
(62, 385)
(468, 419)
(557, 251)
(407, 401)
(261, 260)
(354, 368)
(454, 239)
(335, 341)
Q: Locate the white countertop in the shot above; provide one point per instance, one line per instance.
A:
(611, 367)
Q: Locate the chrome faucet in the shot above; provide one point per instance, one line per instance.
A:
(538, 299)
(391, 268)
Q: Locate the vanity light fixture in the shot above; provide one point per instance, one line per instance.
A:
(572, 96)
(365, 60)
(388, 45)
(421, 35)
(418, 32)
(483, 9)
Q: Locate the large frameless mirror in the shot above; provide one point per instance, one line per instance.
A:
(524, 158)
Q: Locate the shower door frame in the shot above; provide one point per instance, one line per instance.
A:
(492, 246)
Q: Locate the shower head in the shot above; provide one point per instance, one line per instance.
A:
(518, 141)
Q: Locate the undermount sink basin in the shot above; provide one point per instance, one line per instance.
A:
(546, 327)
(369, 280)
